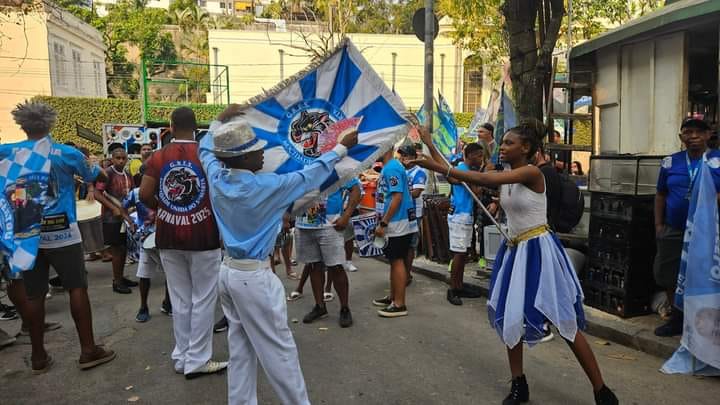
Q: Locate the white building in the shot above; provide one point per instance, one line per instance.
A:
(101, 6)
(50, 53)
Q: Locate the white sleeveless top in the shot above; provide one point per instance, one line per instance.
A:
(524, 208)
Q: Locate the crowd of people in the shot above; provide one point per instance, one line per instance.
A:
(205, 215)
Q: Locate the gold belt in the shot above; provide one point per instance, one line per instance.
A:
(529, 234)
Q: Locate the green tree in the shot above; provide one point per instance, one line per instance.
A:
(530, 31)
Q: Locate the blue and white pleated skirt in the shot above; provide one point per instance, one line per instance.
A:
(531, 283)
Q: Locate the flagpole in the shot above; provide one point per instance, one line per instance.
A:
(429, 39)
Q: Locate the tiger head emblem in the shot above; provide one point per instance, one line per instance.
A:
(306, 130)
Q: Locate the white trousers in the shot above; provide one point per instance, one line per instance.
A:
(192, 278)
(255, 307)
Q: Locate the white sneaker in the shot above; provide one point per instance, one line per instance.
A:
(349, 266)
(211, 367)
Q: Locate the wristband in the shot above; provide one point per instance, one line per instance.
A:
(383, 224)
(448, 172)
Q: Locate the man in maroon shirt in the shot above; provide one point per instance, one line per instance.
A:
(110, 192)
(188, 241)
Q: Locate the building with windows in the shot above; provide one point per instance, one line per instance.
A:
(49, 52)
(398, 59)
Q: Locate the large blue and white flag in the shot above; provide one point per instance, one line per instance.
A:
(698, 290)
(291, 116)
(24, 184)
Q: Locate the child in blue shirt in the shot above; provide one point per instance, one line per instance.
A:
(460, 224)
(397, 223)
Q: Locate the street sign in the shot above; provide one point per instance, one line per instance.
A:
(419, 24)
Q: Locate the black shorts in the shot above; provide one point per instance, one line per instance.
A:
(398, 247)
(69, 264)
(112, 235)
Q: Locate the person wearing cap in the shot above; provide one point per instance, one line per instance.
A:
(188, 242)
(672, 203)
(395, 209)
(417, 179)
(249, 208)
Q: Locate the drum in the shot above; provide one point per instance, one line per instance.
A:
(364, 229)
(367, 203)
(90, 224)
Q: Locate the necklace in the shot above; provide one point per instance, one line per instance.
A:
(126, 184)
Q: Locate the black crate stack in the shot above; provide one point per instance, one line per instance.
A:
(619, 279)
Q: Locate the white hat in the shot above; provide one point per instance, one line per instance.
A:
(235, 138)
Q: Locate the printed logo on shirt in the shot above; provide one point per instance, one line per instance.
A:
(394, 181)
(182, 186)
(27, 197)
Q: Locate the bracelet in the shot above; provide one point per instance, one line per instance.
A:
(448, 172)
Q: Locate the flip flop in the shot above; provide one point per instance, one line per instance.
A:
(45, 367)
(328, 296)
(293, 276)
(294, 296)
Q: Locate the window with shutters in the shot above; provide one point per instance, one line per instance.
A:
(77, 69)
(59, 71)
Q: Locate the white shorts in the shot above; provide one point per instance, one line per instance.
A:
(149, 263)
(460, 237)
(324, 245)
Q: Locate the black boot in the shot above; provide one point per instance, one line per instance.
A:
(453, 297)
(519, 392)
(605, 397)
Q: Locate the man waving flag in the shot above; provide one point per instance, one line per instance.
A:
(292, 116)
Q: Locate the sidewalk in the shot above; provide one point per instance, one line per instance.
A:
(636, 333)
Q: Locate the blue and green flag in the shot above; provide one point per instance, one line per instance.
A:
(444, 128)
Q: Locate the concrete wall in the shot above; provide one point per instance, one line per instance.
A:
(24, 67)
(255, 63)
(29, 67)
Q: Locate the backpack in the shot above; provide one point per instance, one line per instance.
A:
(572, 205)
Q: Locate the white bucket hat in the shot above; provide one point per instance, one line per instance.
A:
(235, 138)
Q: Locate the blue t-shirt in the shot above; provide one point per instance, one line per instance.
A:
(326, 211)
(417, 178)
(674, 181)
(393, 179)
(59, 224)
(461, 202)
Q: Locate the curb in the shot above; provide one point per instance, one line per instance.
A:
(599, 324)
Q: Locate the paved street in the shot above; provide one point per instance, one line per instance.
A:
(440, 354)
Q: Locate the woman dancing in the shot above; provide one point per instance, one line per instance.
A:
(533, 280)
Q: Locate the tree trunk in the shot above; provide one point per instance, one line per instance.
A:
(531, 50)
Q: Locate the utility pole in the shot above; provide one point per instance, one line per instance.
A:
(429, 39)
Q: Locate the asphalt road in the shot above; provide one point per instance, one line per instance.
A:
(439, 354)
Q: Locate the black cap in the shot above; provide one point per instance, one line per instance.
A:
(694, 122)
(407, 150)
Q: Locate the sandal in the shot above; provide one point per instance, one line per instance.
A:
(328, 296)
(98, 357)
(294, 296)
(44, 366)
(293, 276)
